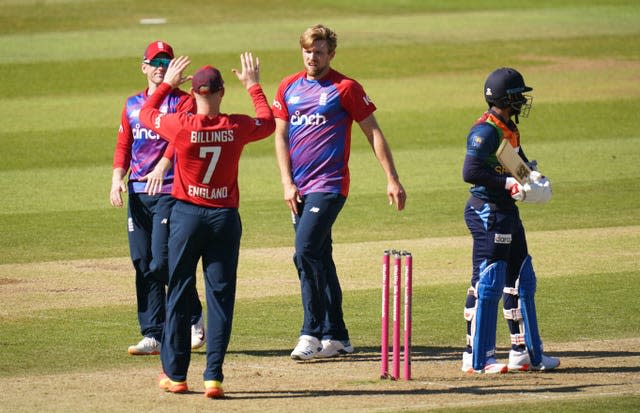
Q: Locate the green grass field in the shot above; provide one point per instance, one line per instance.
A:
(67, 300)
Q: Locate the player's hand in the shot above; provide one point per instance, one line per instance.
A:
(396, 195)
(292, 197)
(115, 195)
(250, 74)
(173, 76)
(154, 181)
(515, 189)
(538, 189)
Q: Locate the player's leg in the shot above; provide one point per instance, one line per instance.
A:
(510, 299)
(490, 229)
(312, 226)
(335, 339)
(149, 292)
(220, 263)
(186, 242)
(335, 336)
(520, 311)
(160, 207)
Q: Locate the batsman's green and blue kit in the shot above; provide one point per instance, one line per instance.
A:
(501, 262)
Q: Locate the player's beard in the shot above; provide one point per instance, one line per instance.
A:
(315, 70)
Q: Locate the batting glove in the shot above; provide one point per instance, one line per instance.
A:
(515, 189)
(538, 189)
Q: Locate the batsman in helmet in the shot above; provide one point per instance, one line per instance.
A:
(502, 266)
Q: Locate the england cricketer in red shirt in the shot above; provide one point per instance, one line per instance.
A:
(205, 222)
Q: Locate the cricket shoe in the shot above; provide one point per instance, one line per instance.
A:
(148, 346)
(213, 389)
(198, 337)
(520, 361)
(164, 382)
(491, 366)
(307, 348)
(333, 348)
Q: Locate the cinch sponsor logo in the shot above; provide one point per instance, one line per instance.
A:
(315, 119)
(140, 132)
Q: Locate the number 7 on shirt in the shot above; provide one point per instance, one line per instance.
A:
(215, 151)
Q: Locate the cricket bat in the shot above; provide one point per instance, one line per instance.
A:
(513, 163)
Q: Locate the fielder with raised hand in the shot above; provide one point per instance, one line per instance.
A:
(502, 266)
(205, 222)
(149, 159)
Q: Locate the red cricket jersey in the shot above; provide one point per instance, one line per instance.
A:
(208, 149)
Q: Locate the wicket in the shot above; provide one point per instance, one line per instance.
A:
(408, 292)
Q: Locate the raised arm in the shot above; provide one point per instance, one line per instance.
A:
(249, 76)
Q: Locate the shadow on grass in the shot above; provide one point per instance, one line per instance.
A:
(491, 390)
(445, 352)
(426, 354)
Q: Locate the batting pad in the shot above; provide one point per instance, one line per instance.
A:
(527, 291)
(489, 290)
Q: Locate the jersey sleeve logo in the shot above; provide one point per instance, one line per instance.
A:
(277, 104)
(476, 141)
(156, 121)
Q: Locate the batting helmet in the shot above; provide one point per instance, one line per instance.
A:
(504, 88)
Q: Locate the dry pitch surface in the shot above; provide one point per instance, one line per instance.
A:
(589, 369)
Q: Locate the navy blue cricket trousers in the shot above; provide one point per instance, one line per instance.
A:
(148, 233)
(313, 258)
(148, 230)
(212, 234)
(498, 234)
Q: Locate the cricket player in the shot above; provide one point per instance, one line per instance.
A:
(314, 110)
(205, 222)
(502, 266)
(148, 158)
